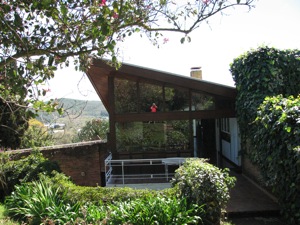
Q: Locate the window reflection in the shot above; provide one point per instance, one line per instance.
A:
(154, 136)
(133, 97)
(202, 102)
(149, 94)
(176, 99)
(125, 96)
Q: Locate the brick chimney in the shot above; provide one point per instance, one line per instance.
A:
(196, 72)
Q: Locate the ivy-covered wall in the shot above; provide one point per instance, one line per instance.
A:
(268, 110)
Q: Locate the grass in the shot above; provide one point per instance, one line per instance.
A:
(3, 219)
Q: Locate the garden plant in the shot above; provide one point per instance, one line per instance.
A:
(55, 199)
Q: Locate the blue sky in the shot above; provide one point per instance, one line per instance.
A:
(274, 23)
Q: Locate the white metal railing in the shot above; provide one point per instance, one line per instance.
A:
(123, 163)
(108, 168)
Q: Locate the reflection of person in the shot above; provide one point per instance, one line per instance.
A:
(153, 108)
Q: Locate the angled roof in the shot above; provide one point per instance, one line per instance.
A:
(100, 71)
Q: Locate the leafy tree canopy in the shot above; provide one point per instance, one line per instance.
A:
(93, 130)
(39, 36)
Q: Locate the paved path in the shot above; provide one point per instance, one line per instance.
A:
(248, 198)
(251, 205)
(257, 221)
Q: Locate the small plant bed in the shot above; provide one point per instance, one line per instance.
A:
(198, 194)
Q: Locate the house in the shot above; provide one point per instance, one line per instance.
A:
(194, 118)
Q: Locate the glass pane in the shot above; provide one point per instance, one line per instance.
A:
(158, 136)
(202, 102)
(125, 96)
(129, 136)
(176, 99)
(178, 135)
(149, 94)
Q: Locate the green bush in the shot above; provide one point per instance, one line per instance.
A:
(277, 151)
(25, 169)
(204, 184)
(97, 194)
(155, 210)
(260, 73)
(271, 128)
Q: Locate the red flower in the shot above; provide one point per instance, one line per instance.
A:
(103, 3)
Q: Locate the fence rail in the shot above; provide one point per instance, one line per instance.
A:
(116, 169)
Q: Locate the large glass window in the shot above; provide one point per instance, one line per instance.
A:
(152, 136)
(202, 102)
(126, 100)
(133, 97)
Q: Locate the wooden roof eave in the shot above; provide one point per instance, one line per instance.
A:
(183, 81)
(99, 72)
(99, 80)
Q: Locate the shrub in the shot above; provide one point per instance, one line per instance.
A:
(260, 73)
(271, 128)
(25, 169)
(155, 210)
(277, 151)
(97, 194)
(202, 183)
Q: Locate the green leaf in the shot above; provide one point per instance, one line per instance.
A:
(29, 65)
(64, 10)
(18, 21)
(288, 129)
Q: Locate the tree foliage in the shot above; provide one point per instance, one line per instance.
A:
(95, 129)
(39, 36)
(36, 135)
(12, 124)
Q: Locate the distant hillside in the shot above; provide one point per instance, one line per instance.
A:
(76, 108)
(76, 114)
(86, 108)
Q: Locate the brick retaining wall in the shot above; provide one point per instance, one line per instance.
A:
(83, 162)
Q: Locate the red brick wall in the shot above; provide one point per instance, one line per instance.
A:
(83, 162)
